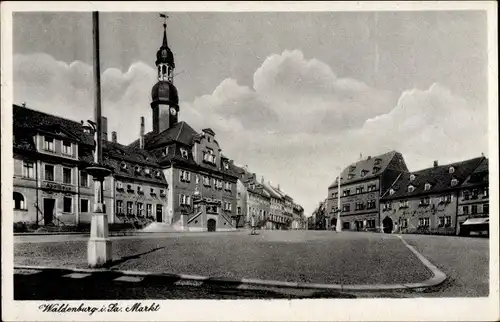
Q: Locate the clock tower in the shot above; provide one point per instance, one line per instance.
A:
(165, 100)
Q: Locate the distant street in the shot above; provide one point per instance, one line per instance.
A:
(293, 256)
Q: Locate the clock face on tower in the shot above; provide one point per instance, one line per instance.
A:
(173, 111)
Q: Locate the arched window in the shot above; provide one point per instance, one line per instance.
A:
(164, 70)
(19, 202)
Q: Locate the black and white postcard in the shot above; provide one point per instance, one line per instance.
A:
(239, 161)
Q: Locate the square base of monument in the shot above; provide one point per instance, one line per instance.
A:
(99, 252)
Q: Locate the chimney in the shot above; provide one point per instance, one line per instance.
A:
(435, 163)
(23, 104)
(279, 187)
(114, 138)
(104, 127)
(369, 157)
(141, 137)
(262, 179)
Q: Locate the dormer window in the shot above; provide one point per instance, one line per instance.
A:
(427, 186)
(209, 156)
(411, 188)
(350, 176)
(147, 171)
(451, 170)
(49, 144)
(377, 161)
(226, 165)
(375, 170)
(184, 153)
(352, 168)
(137, 169)
(454, 182)
(67, 148)
(158, 174)
(165, 152)
(123, 165)
(363, 173)
(391, 192)
(412, 177)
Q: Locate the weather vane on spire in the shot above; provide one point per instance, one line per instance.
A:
(165, 17)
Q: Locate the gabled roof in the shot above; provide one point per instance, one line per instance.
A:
(480, 176)
(439, 177)
(272, 191)
(26, 120)
(181, 132)
(368, 168)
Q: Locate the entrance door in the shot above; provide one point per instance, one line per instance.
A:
(48, 211)
(387, 222)
(159, 213)
(211, 225)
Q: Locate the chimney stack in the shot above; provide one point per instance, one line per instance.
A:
(262, 179)
(279, 187)
(435, 163)
(104, 128)
(141, 138)
(114, 138)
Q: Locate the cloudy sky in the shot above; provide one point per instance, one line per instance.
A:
(291, 95)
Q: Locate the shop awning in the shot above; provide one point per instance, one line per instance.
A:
(477, 221)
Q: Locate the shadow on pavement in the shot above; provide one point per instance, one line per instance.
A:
(126, 258)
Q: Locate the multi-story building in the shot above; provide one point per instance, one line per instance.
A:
(319, 221)
(277, 217)
(361, 186)
(299, 221)
(51, 186)
(473, 201)
(426, 201)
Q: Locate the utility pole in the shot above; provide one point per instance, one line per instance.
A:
(99, 245)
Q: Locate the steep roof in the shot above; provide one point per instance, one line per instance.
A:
(180, 132)
(368, 168)
(439, 177)
(480, 175)
(26, 119)
(272, 191)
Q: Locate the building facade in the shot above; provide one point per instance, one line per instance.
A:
(430, 201)
(361, 186)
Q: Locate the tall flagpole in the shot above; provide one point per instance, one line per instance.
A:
(99, 245)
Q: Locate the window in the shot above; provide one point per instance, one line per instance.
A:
(454, 182)
(184, 176)
(227, 206)
(350, 176)
(372, 187)
(370, 223)
(347, 192)
(119, 206)
(377, 161)
(184, 200)
(162, 192)
(84, 205)
(67, 204)
(226, 166)
(403, 204)
(451, 170)
(375, 170)
(130, 208)
(485, 192)
(123, 166)
(158, 174)
(140, 209)
(446, 198)
(387, 206)
(465, 210)
(427, 186)
(119, 185)
(474, 209)
(28, 169)
(411, 188)
(359, 190)
(147, 171)
(84, 179)
(49, 144)
(441, 222)
(206, 181)
(371, 204)
(475, 193)
(153, 192)
(49, 172)
(137, 169)
(363, 173)
(184, 153)
(335, 194)
(19, 203)
(447, 221)
(67, 175)
(359, 206)
(346, 207)
(412, 177)
(486, 208)
(208, 156)
(140, 190)
(425, 201)
(404, 223)
(423, 222)
(149, 210)
(67, 148)
(391, 192)
(227, 186)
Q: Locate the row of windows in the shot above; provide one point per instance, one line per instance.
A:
(20, 203)
(474, 194)
(365, 224)
(359, 190)
(474, 209)
(138, 210)
(139, 189)
(49, 145)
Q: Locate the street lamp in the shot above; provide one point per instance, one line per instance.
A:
(99, 245)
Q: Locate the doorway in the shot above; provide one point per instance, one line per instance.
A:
(211, 225)
(48, 211)
(159, 213)
(388, 225)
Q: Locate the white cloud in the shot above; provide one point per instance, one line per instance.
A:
(294, 126)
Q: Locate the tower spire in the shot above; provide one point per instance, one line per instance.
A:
(165, 17)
